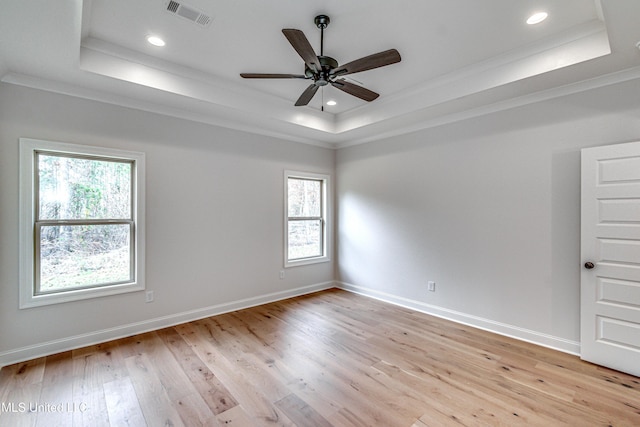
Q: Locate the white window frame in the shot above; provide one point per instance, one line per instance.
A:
(27, 232)
(326, 218)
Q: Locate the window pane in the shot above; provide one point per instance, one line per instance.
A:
(73, 256)
(305, 198)
(305, 239)
(77, 188)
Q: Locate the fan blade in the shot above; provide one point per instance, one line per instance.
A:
(370, 62)
(307, 95)
(355, 90)
(300, 43)
(272, 76)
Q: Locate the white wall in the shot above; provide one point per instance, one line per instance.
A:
(488, 208)
(214, 219)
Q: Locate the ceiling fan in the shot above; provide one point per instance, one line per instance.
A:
(325, 70)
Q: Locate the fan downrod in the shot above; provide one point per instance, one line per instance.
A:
(322, 21)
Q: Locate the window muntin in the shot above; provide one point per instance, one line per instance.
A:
(306, 225)
(82, 230)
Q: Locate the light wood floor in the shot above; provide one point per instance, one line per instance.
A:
(327, 359)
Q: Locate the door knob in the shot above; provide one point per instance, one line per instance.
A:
(589, 265)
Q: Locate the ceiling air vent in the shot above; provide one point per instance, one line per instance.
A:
(187, 12)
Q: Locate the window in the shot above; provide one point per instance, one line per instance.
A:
(306, 227)
(81, 222)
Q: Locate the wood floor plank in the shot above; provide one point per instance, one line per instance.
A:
(345, 417)
(56, 397)
(330, 372)
(233, 346)
(436, 419)
(299, 371)
(156, 406)
(449, 401)
(93, 367)
(331, 358)
(453, 378)
(159, 362)
(335, 377)
(19, 406)
(122, 403)
(26, 374)
(257, 405)
(301, 413)
(208, 386)
(91, 405)
(21, 390)
(98, 364)
(195, 412)
(618, 399)
(236, 417)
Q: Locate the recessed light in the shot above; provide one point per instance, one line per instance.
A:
(331, 102)
(537, 18)
(156, 41)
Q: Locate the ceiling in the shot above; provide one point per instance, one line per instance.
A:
(460, 58)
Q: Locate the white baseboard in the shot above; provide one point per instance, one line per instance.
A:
(545, 340)
(104, 335)
(91, 338)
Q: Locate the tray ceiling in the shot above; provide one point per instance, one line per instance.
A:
(459, 58)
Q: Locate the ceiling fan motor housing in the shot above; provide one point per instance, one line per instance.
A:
(322, 78)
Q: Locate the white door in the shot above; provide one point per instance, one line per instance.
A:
(610, 279)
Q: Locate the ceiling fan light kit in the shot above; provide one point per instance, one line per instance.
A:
(324, 70)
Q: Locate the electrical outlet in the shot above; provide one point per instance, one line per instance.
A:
(148, 297)
(281, 274)
(431, 286)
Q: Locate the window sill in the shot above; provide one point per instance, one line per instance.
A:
(306, 261)
(29, 301)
